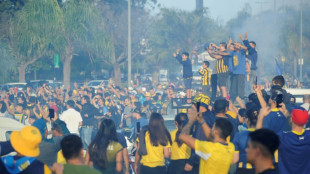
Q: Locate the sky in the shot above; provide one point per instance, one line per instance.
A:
(223, 10)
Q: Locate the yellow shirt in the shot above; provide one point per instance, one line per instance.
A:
(215, 157)
(155, 154)
(60, 158)
(183, 152)
(232, 114)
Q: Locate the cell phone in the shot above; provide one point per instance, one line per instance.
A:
(255, 82)
(279, 100)
(51, 113)
(198, 106)
(138, 126)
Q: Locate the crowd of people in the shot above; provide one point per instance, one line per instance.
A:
(87, 130)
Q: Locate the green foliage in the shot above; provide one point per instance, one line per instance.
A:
(35, 31)
(84, 27)
(180, 29)
(290, 36)
(8, 64)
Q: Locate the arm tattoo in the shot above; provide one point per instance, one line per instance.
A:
(186, 130)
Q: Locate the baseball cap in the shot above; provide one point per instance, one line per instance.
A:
(26, 141)
(253, 42)
(300, 116)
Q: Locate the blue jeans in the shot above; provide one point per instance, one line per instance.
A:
(86, 134)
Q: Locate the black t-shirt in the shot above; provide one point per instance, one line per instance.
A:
(91, 111)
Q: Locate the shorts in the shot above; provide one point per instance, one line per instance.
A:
(188, 83)
(222, 79)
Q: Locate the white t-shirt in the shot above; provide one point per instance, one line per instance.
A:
(206, 56)
(72, 118)
(306, 106)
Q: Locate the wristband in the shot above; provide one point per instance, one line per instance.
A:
(202, 123)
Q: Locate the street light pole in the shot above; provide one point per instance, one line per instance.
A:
(129, 42)
(301, 58)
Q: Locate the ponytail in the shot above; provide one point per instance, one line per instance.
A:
(182, 120)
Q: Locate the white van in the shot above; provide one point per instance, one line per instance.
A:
(298, 93)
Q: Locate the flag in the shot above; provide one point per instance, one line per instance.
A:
(278, 69)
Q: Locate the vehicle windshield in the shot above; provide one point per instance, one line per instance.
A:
(97, 83)
(17, 85)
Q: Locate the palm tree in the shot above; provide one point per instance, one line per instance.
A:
(34, 33)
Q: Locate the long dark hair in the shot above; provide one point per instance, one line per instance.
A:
(182, 120)
(98, 147)
(251, 115)
(159, 134)
(3, 108)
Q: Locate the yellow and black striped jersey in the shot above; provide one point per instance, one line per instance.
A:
(205, 76)
(222, 65)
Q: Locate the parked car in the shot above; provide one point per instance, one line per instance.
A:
(20, 86)
(96, 83)
(7, 126)
(146, 77)
(298, 94)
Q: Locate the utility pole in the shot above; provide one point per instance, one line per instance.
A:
(199, 4)
(301, 59)
(129, 42)
(261, 2)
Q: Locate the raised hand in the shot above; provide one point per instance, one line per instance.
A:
(240, 36)
(264, 112)
(192, 115)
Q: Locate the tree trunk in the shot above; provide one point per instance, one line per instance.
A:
(22, 72)
(67, 70)
(155, 75)
(117, 69)
(117, 74)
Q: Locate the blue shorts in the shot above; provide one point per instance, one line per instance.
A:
(188, 83)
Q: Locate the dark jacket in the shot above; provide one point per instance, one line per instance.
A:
(252, 54)
(91, 111)
(187, 66)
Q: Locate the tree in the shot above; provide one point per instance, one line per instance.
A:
(83, 29)
(34, 34)
(8, 63)
(290, 36)
(115, 17)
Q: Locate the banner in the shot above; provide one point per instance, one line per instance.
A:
(56, 60)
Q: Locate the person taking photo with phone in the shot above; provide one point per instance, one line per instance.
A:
(275, 120)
